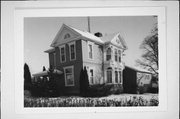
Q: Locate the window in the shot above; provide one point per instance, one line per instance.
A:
(69, 76)
(116, 55)
(62, 54)
(147, 77)
(72, 51)
(90, 50)
(120, 77)
(116, 76)
(109, 75)
(119, 54)
(67, 36)
(91, 80)
(108, 54)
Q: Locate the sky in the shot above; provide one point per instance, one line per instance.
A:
(39, 33)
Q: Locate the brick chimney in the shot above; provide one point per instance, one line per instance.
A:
(98, 34)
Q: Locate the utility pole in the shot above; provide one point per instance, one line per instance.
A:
(89, 24)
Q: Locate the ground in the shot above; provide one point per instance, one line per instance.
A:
(76, 101)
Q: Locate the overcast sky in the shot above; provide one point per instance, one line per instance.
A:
(40, 32)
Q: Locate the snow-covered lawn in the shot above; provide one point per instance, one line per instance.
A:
(112, 100)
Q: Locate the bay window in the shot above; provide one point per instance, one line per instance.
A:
(109, 75)
(116, 55)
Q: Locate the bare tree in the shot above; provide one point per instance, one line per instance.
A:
(149, 59)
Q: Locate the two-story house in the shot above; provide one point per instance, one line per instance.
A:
(73, 49)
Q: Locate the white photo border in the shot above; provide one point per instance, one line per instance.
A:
(12, 44)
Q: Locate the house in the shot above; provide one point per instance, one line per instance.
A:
(73, 49)
(134, 78)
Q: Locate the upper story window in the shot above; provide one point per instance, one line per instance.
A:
(108, 54)
(90, 50)
(69, 76)
(72, 50)
(62, 54)
(119, 55)
(67, 36)
(116, 55)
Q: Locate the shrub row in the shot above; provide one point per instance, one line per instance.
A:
(90, 102)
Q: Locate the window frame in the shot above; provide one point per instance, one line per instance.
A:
(111, 76)
(72, 67)
(67, 35)
(116, 81)
(116, 55)
(120, 77)
(107, 54)
(70, 44)
(92, 44)
(91, 68)
(60, 47)
(119, 56)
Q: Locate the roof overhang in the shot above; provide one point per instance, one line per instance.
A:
(50, 50)
(45, 73)
(138, 70)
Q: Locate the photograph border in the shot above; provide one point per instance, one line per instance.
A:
(20, 14)
(42, 10)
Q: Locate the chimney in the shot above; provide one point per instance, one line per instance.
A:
(98, 34)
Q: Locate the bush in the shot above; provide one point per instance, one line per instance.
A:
(84, 82)
(91, 102)
(100, 90)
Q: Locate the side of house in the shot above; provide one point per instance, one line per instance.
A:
(134, 79)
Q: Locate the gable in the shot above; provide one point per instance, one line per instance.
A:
(64, 35)
(119, 42)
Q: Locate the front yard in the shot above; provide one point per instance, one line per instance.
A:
(108, 101)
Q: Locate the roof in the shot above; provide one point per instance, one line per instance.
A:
(87, 35)
(83, 34)
(108, 38)
(50, 50)
(45, 73)
(138, 69)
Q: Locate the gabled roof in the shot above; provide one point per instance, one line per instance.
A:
(110, 38)
(88, 35)
(82, 34)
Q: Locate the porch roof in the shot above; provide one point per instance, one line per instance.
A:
(45, 73)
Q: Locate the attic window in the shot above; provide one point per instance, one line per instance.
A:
(67, 36)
